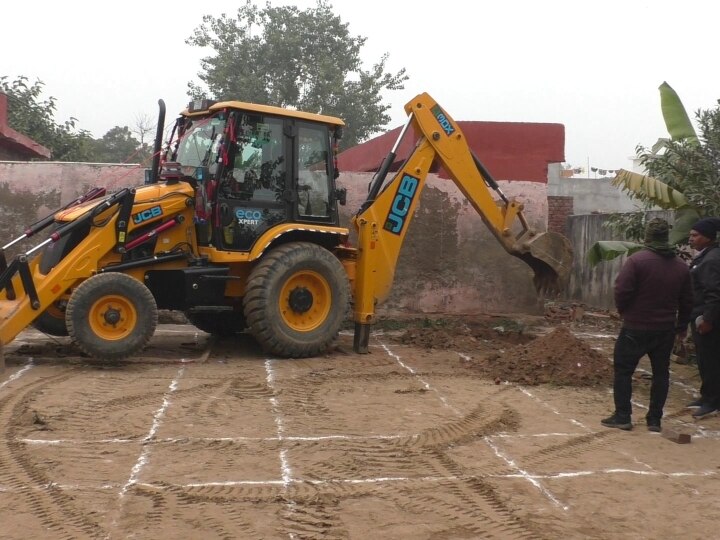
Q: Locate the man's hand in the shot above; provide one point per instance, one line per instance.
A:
(705, 327)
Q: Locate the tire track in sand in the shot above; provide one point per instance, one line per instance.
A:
(31, 484)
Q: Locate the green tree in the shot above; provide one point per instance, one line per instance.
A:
(118, 146)
(290, 58)
(693, 166)
(34, 117)
(683, 175)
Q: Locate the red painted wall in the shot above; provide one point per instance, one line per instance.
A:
(14, 145)
(509, 150)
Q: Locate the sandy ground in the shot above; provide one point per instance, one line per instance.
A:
(211, 439)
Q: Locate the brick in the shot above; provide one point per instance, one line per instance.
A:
(676, 437)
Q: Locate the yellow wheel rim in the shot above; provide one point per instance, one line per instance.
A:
(305, 301)
(113, 317)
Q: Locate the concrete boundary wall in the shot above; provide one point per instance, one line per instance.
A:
(594, 285)
(450, 261)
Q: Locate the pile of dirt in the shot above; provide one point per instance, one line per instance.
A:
(465, 334)
(557, 358)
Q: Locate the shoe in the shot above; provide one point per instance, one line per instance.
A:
(653, 424)
(694, 404)
(703, 411)
(615, 422)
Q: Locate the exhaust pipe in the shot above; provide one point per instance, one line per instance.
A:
(158, 144)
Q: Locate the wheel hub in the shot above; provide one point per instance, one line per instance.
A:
(112, 316)
(301, 299)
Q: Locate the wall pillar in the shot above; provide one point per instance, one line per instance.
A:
(560, 208)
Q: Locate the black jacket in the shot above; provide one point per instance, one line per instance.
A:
(653, 292)
(705, 275)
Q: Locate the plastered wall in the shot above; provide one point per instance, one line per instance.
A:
(450, 262)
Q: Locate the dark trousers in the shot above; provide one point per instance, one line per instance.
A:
(707, 350)
(630, 347)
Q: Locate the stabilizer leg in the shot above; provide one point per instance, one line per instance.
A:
(362, 338)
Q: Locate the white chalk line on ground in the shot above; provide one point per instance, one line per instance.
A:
(379, 480)
(487, 441)
(649, 470)
(554, 410)
(700, 430)
(525, 475)
(425, 384)
(157, 419)
(708, 434)
(19, 373)
(279, 424)
(286, 471)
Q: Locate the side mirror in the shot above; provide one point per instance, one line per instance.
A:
(341, 196)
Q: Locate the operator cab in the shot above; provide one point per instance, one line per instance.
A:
(255, 167)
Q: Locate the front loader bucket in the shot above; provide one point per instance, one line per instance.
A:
(550, 256)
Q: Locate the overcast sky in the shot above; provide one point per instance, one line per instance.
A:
(592, 66)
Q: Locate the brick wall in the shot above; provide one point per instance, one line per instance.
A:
(560, 208)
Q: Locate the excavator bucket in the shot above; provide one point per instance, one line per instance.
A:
(550, 256)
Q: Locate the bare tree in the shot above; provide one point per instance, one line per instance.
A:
(143, 125)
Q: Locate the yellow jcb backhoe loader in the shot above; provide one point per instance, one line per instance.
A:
(237, 226)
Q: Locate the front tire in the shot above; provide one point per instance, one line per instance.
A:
(111, 316)
(297, 300)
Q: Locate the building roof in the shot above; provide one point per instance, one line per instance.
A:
(509, 150)
(15, 142)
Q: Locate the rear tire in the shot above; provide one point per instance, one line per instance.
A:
(111, 316)
(297, 300)
(217, 323)
(52, 320)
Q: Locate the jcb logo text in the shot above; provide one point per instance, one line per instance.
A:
(443, 120)
(401, 204)
(145, 215)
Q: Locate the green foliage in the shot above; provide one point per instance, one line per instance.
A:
(34, 117)
(649, 190)
(694, 168)
(676, 118)
(683, 175)
(608, 250)
(290, 58)
(629, 225)
(119, 146)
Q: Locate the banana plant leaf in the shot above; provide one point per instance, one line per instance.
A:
(685, 218)
(676, 118)
(607, 250)
(647, 188)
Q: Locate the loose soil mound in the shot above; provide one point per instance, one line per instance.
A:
(470, 335)
(556, 358)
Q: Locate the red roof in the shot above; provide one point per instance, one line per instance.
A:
(509, 150)
(16, 142)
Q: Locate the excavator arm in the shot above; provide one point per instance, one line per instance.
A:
(383, 220)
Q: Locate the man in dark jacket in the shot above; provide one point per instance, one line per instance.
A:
(705, 324)
(654, 297)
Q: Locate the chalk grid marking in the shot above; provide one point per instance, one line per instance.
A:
(286, 472)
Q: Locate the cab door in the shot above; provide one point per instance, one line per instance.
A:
(314, 179)
(252, 194)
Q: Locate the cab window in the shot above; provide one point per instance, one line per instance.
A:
(258, 165)
(313, 178)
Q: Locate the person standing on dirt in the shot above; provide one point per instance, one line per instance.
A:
(653, 296)
(705, 323)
